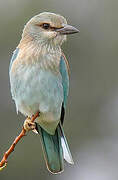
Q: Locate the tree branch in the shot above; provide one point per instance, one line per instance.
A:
(3, 162)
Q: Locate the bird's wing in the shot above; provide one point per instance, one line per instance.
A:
(64, 70)
(14, 56)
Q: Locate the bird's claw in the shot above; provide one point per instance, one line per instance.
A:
(29, 125)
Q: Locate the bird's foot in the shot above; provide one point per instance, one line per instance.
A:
(29, 125)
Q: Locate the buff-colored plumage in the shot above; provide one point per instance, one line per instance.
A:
(39, 80)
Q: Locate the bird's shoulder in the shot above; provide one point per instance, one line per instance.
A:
(64, 70)
(13, 58)
(64, 63)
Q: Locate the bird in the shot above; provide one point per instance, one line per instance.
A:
(39, 82)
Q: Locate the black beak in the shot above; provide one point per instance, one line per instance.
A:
(67, 29)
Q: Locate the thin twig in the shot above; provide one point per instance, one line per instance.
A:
(3, 162)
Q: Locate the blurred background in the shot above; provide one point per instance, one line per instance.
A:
(91, 122)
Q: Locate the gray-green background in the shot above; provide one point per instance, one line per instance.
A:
(91, 122)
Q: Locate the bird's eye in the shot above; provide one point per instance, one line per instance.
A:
(45, 26)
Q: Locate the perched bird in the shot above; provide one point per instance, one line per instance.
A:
(39, 82)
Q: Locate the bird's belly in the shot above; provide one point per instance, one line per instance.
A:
(37, 90)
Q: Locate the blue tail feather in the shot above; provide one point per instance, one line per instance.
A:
(52, 149)
(55, 148)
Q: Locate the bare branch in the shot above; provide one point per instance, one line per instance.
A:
(3, 162)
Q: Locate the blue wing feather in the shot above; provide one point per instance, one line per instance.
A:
(15, 53)
(65, 78)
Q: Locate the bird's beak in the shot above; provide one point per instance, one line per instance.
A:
(67, 29)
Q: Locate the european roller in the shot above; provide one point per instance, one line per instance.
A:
(39, 80)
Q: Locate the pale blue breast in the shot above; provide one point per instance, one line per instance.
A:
(34, 89)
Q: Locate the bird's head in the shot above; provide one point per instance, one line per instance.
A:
(48, 28)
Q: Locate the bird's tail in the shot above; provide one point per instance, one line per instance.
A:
(55, 148)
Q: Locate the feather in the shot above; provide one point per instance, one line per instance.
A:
(66, 151)
(14, 56)
(65, 77)
(64, 70)
(52, 149)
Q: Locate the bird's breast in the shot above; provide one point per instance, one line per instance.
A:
(36, 88)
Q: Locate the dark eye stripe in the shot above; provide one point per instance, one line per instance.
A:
(47, 26)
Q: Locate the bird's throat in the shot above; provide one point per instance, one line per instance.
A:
(33, 52)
